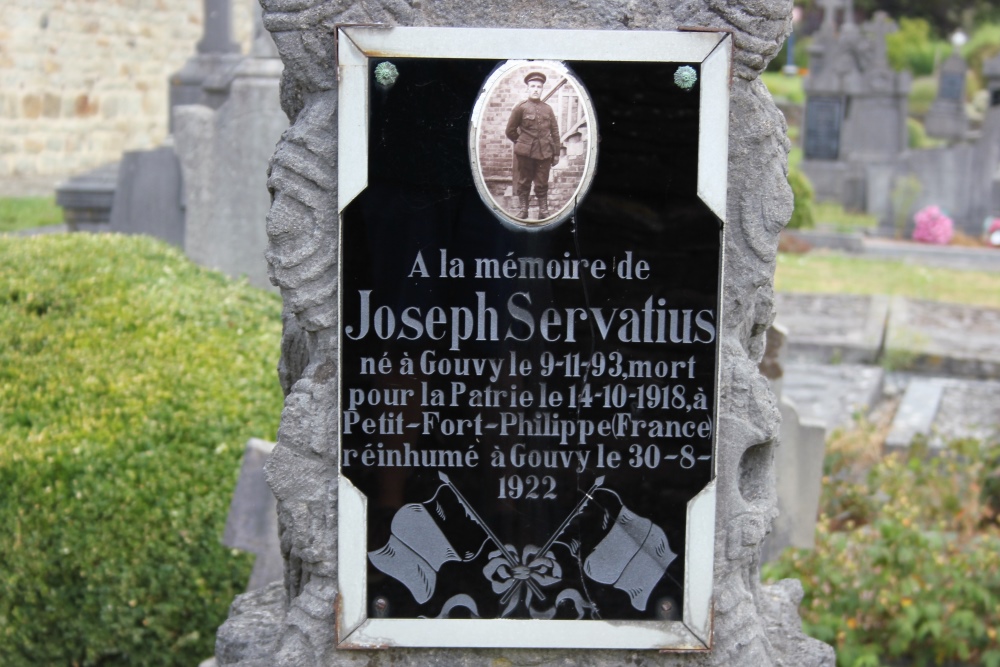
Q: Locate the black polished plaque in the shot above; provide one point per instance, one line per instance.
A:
(824, 117)
(951, 86)
(529, 409)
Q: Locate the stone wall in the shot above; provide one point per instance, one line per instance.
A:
(83, 80)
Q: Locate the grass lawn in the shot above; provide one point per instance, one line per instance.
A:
(832, 273)
(833, 215)
(130, 380)
(18, 213)
(783, 88)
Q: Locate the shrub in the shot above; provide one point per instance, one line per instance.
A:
(803, 216)
(917, 136)
(905, 192)
(906, 568)
(130, 380)
(912, 47)
(923, 92)
(931, 225)
(982, 45)
(800, 57)
(784, 89)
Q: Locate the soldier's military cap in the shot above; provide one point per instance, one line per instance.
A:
(534, 76)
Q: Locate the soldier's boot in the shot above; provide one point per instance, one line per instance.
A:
(543, 207)
(523, 200)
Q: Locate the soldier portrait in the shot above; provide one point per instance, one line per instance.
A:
(533, 142)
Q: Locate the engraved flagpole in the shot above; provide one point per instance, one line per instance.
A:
(489, 533)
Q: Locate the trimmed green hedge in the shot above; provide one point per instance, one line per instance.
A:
(130, 380)
(803, 214)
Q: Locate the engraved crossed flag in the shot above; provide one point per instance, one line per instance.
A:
(415, 552)
(632, 556)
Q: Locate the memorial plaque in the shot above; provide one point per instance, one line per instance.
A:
(824, 118)
(951, 86)
(532, 233)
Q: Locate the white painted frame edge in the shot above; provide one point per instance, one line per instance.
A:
(355, 46)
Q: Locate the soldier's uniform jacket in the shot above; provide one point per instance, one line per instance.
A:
(532, 126)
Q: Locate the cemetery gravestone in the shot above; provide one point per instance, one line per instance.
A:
(148, 196)
(946, 119)
(365, 556)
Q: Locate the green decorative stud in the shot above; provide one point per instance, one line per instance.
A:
(685, 77)
(386, 74)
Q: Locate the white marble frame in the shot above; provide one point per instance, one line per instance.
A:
(355, 630)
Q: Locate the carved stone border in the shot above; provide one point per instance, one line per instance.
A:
(293, 624)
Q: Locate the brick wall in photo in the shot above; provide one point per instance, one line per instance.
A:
(497, 152)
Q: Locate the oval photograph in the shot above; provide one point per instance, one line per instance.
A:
(533, 142)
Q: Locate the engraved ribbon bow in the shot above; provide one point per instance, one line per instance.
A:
(511, 575)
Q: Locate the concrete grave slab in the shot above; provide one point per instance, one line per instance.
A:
(941, 410)
(833, 395)
(833, 328)
(943, 339)
(916, 412)
(968, 409)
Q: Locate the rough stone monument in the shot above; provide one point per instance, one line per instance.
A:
(855, 121)
(333, 238)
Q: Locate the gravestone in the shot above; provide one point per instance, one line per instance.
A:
(201, 189)
(86, 199)
(205, 76)
(252, 522)
(875, 126)
(375, 182)
(991, 73)
(148, 195)
(798, 461)
(223, 155)
(856, 109)
(946, 119)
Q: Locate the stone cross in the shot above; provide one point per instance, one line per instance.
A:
(217, 35)
(878, 28)
(849, 12)
(830, 8)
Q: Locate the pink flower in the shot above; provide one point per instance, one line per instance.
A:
(993, 234)
(932, 226)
